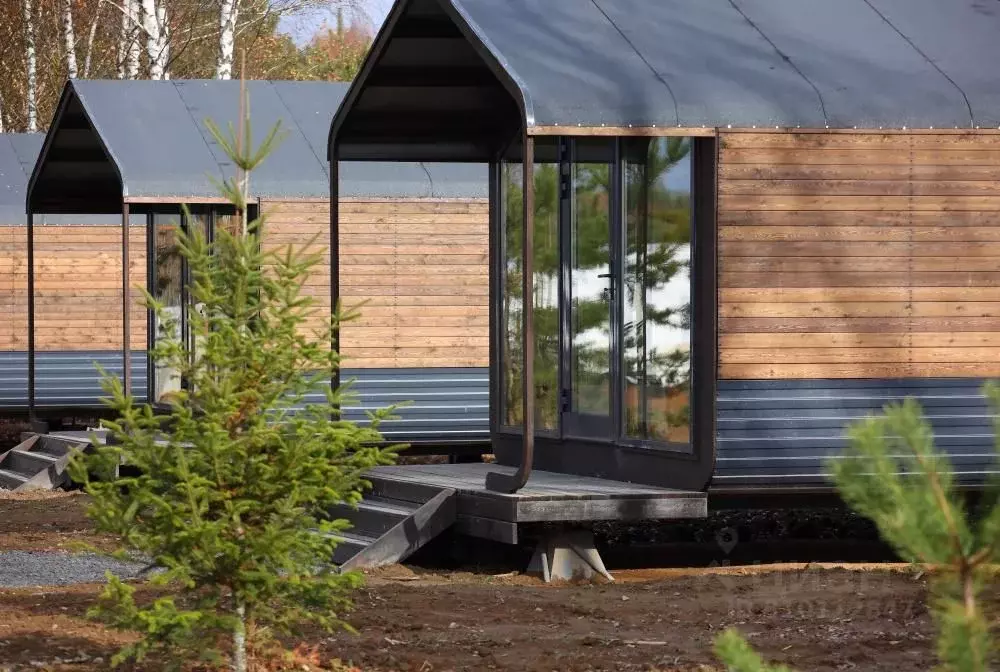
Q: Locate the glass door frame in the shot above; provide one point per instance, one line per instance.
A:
(652, 461)
(574, 424)
(152, 278)
(211, 215)
(703, 297)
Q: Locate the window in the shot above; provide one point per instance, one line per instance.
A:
(656, 335)
(591, 277)
(612, 292)
(170, 279)
(546, 290)
(168, 288)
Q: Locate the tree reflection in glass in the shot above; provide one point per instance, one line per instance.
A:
(546, 295)
(169, 291)
(657, 281)
(591, 288)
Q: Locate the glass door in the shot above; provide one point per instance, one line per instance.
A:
(167, 287)
(590, 282)
(169, 282)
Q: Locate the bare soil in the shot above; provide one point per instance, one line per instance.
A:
(46, 521)
(814, 617)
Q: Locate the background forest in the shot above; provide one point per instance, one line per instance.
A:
(47, 41)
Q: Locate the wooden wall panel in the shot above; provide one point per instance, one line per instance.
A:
(416, 270)
(859, 255)
(12, 312)
(78, 293)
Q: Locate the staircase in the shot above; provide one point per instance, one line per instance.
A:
(392, 522)
(39, 462)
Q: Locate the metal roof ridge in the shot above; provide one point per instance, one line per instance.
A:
(176, 85)
(913, 45)
(295, 122)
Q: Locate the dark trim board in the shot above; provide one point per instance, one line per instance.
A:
(781, 433)
(548, 497)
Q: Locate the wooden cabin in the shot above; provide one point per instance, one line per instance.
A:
(741, 225)
(18, 152)
(413, 242)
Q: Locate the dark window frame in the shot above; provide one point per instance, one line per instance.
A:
(210, 212)
(704, 305)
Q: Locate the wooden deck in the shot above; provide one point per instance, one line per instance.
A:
(548, 497)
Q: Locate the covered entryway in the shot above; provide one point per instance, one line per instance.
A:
(602, 237)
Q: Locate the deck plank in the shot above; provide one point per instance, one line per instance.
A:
(543, 485)
(547, 497)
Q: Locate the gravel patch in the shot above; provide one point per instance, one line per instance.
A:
(25, 568)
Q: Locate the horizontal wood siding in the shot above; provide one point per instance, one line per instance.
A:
(859, 255)
(416, 270)
(78, 287)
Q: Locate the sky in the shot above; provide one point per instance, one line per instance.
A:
(303, 26)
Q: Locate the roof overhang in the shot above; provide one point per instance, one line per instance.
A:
(448, 79)
(431, 89)
(75, 171)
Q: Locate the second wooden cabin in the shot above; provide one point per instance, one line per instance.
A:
(413, 244)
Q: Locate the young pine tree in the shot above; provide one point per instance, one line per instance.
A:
(233, 483)
(894, 475)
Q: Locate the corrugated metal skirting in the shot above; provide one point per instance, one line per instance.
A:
(783, 432)
(443, 404)
(438, 404)
(64, 379)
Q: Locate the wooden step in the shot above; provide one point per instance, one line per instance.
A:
(58, 446)
(401, 491)
(27, 463)
(350, 545)
(375, 515)
(11, 480)
(408, 535)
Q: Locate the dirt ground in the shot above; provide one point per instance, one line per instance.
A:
(814, 617)
(46, 521)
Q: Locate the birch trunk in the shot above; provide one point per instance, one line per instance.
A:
(228, 15)
(240, 641)
(69, 38)
(163, 53)
(130, 35)
(29, 45)
(90, 41)
(1, 115)
(151, 26)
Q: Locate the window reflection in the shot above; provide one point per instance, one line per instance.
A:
(657, 281)
(590, 277)
(168, 290)
(229, 222)
(546, 290)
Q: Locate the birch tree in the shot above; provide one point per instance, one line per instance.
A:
(163, 51)
(31, 94)
(128, 41)
(90, 40)
(69, 38)
(228, 16)
(154, 20)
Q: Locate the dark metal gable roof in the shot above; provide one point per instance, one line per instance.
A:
(148, 140)
(678, 63)
(18, 152)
